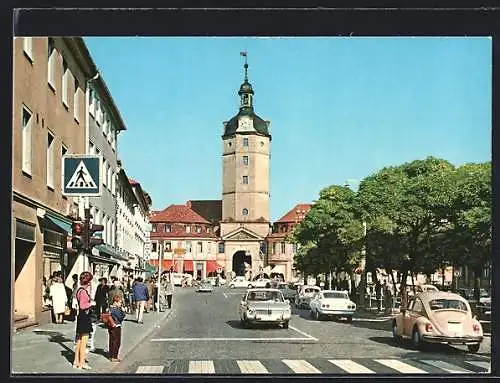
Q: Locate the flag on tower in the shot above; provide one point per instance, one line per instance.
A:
(244, 54)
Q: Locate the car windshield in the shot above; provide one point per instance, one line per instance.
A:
(310, 290)
(256, 296)
(447, 304)
(336, 295)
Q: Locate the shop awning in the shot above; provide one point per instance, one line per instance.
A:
(278, 269)
(188, 266)
(211, 266)
(103, 259)
(150, 268)
(64, 225)
(110, 251)
(166, 265)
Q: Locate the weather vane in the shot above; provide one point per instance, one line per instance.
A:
(245, 55)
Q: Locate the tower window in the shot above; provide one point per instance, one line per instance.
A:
(245, 160)
(245, 180)
(245, 142)
(245, 211)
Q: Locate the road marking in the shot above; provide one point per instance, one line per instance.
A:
(149, 370)
(201, 367)
(302, 332)
(351, 366)
(448, 367)
(224, 339)
(400, 366)
(251, 367)
(301, 366)
(478, 363)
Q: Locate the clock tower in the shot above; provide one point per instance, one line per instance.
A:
(245, 185)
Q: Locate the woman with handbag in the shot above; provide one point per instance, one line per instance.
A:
(83, 322)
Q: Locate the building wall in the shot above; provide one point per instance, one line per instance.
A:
(253, 196)
(260, 228)
(101, 142)
(48, 115)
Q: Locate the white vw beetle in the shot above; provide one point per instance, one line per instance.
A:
(332, 303)
(264, 306)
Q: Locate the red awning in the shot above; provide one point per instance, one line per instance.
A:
(211, 266)
(188, 266)
(167, 263)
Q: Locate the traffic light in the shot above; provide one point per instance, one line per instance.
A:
(94, 241)
(77, 234)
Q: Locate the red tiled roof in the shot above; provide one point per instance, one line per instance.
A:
(177, 213)
(297, 214)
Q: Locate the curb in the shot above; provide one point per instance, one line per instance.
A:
(114, 366)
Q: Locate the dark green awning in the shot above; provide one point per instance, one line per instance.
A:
(60, 223)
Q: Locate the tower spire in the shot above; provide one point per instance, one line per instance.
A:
(245, 55)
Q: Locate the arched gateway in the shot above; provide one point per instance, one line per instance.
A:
(239, 260)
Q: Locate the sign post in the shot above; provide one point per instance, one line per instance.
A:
(81, 177)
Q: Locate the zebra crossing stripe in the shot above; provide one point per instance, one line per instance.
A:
(400, 366)
(301, 366)
(448, 367)
(351, 366)
(149, 370)
(478, 363)
(251, 367)
(201, 367)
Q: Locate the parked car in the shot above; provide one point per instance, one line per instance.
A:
(240, 282)
(213, 281)
(288, 289)
(333, 304)
(177, 278)
(483, 308)
(438, 317)
(264, 306)
(205, 286)
(261, 282)
(304, 295)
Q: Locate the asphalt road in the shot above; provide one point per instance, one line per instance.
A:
(204, 335)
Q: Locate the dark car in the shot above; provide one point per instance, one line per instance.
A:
(289, 290)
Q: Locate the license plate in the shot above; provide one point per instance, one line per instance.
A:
(455, 328)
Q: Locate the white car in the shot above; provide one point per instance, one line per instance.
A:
(333, 304)
(305, 294)
(261, 282)
(240, 282)
(264, 306)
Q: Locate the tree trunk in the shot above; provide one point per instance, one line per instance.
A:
(393, 283)
(404, 296)
(477, 283)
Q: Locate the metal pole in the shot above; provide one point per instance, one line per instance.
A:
(160, 261)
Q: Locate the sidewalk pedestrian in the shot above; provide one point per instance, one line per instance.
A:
(116, 289)
(169, 289)
(150, 287)
(141, 296)
(94, 320)
(83, 322)
(115, 332)
(59, 298)
(101, 296)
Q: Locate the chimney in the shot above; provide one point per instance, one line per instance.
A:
(188, 204)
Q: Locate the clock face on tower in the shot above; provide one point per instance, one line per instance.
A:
(245, 124)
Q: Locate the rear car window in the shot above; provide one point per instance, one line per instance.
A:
(447, 304)
(335, 295)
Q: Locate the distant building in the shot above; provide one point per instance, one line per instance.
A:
(280, 253)
(184, 240)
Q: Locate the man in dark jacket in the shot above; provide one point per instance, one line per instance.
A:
(141, 296)
(101, 297)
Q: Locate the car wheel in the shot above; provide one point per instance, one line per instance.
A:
(395, 332)
(250, 286)
(285, 324)
(349, 318)
(415, 337)
(231, 286)
(473, 347)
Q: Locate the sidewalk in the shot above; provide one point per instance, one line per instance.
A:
(50, 349)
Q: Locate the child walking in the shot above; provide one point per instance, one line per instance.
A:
(115, 332)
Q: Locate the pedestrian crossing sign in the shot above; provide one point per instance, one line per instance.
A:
(81, 175)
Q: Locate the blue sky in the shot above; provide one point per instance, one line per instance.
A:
(340, 108)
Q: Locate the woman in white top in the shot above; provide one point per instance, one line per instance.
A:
(59, 298)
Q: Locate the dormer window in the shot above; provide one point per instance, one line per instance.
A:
(198, 229)
(187, 228)
(168, 228)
